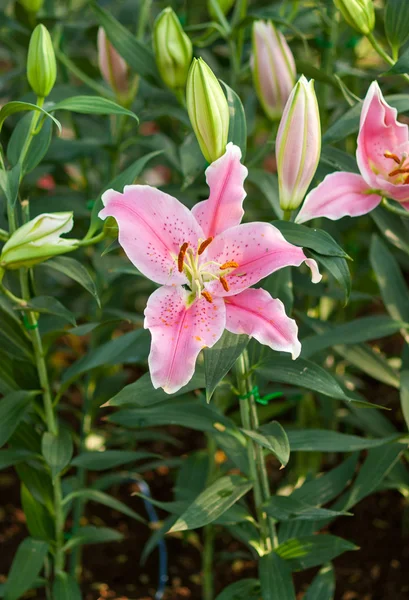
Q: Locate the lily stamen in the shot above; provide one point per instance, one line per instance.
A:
(224, 284)
(207, 296)
(181, 256)
(230, 264)
(393, 157)
(398, 171)
(204, 245)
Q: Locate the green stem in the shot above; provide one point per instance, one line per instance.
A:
(4, 236)
(395, 209)
(287, 215)
(93, 240)
(143, 18)
(208, 533)
(239, 14)
(31, 133)
(256, 459)
(384, 54)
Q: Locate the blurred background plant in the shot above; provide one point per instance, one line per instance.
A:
(110, 110)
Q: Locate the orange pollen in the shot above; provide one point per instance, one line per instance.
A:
(398, 171)
(181, 257)
(392, 156)
(204, 245)
(207, 296)
(406, 179)
(224, 284)
(230, 264)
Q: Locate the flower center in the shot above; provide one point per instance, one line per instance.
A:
(198, 273)
(399, 174)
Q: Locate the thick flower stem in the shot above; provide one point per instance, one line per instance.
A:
(208, 531)
(257, 466)
(287, 215)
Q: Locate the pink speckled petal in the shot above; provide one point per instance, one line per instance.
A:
(257, 314)
(152, 228)
(259, 249)
(339, 195)
(379, 132)
(179, 334)
(224, 208)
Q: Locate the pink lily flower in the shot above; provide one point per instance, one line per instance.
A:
(205, 262)
(383, 160)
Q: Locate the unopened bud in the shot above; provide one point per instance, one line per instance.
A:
(173, 49)
(38, 240)
(298, 144)
(32, 6)
(112, 66)
(208, 110)
(359, 14)
(41, 65)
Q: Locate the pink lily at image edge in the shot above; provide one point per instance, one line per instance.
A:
(216, 258)
(383, 161)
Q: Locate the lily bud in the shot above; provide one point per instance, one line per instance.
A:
(359, 14)
(273, 68)
(208, 110)
(38, 240)
(112, 66)
(32, 6)
(298, 144)
(173, 49)
(41, 64)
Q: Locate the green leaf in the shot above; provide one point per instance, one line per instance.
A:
(307, 237)
(280, 285)
(275, 578)
(38, 482)
(27, 564)
(213, 502)
(38, 147)
(401, 66)
(93, 535)
(267, 183)
(391, 283)
(219, 359)
(193, 414)
(323, 585)
(12, 410)
(12, 337)
(11, 456)
(287, 508)
(142, 393)
(74, 270)
(392, 227)
(354, 332)
(375, 468)
(57, 450)
(65, 587)
(39, 521)
(337, 159)
(109, 459)
(245, 589)
(130, 347)
(321, 440)
(9, 183)
(135, 53)
(338, 268)
(310, 551)
(105, 499)
(127, 177)
(92, 105)
(273, 437)
(303, 373)
(51, 306)
(237, 120)
(404, 395)
(396, 23)
(14, 107)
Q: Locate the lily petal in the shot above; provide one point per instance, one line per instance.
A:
(259, 249)
(179, 333)
(379, 132)
(152, 228)
(224, 207)
(257, 314)
(339, 195)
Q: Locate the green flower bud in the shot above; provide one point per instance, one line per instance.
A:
(41, 65)
(173, 49)
(32, 5)
(359, 14)
(208, 110)
(38, 240)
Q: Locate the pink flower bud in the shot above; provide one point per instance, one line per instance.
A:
(112, 66)
(298, 144)
(273, 68)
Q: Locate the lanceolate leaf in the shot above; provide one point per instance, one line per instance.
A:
(92, 105)
(273, 437)
(338, 268)
(321, 440)
(307, 237)
(105, 499)
(57, 450)
(93, 535)
(245, 589)
(14, 107)
(323, 585)
(109, 459)
(237, 123)
(275, 578)
(12, 409)
(396, 25)
(220, 359)
(75, 270)
(26, 566)
(310, 551)
(404, 395)
(213, 502)
(65, 587)
(51, 306)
